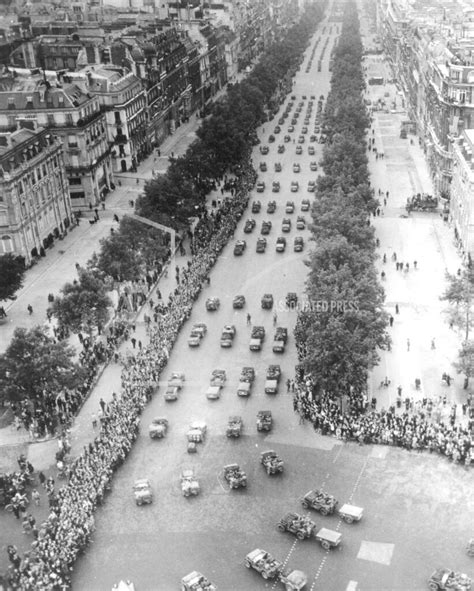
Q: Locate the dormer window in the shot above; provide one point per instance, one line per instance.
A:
(11, 102)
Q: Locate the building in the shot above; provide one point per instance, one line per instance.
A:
(462, 191)
(75, 116)
(123, 101)
(35, 207)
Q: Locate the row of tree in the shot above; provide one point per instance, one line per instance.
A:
(340, 332)
(224, 142)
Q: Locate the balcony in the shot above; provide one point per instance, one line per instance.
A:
(121, 139)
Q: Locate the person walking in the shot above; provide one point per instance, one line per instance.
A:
(275, 319)
(433, 344)
(30, 309)
(408, 344)
(249, 319)
(391, 321)
(397, 311)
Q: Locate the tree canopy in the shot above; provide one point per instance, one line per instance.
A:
(34, 363)
(340, 332)
(12, 271)
(84, 304)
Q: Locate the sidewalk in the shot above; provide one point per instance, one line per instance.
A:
(421, 237)
(58, 267)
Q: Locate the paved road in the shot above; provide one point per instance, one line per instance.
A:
(417, 506)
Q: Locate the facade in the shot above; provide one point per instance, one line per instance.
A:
(462, 191)
(35, 206)
(123, 101)
(76, 118)
(432, 56)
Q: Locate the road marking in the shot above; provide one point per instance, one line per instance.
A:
(318, 572)
(226, 490)
(359, 478)
(352, 586)
(285, 562)
(338, 453)
(376, 552)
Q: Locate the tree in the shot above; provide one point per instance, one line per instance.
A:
(465, 363)
(35, 364)
(12, 270)
(460, 295)
(84, 304)
(129, 252)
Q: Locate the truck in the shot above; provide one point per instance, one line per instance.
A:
(280, 339)
(256, 338)
(264, 563)
(449, 580)
(299, 525)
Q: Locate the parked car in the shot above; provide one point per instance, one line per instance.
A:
(197, 333)
(263, 166)
(300, 222)
(313, 166)
(267, 301)
(296, 167)
(311, 186)
(260, 187)
(290, 207)
(266, 227)
(195, 580)
(277, 166)
(286, 225)
(264, 150)
(299, 150)
(311, 150)
(276, 186)
(287, 139)
(281, 149)
(294, 186)
(142, 492)
(227, 336)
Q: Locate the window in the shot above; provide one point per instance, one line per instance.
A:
(3, 218)
(69, 119)
(78, 195)
(72, 141)
(6, 244)
(75, 181)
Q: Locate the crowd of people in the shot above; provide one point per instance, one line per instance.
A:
(55, 410)
(413, 427)
(67, 530)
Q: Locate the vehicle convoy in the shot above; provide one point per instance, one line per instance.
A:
(197, 432)
(198, 332)
(264, 563)
(319, 501)
(261, 244)
(264, 420)
(281, 244)
(235, 477)
(445, 578)
(271, 207)
(189, 483)
(256, 207)
(351, 513)
(267, 301)
(175, 384)
(328, 538)
(195, 581)
(227, 336)
(234, 426)
(212, 304)
(299, 525)
(280, 339)
(294, 580)
(247, 374)
(238, 302)
(298, 244)
(158, 428)
(257, 337)
(239, 248)
(249, 225)
(142, 492)
(272, 379)
(271, 461)
(421, 202)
